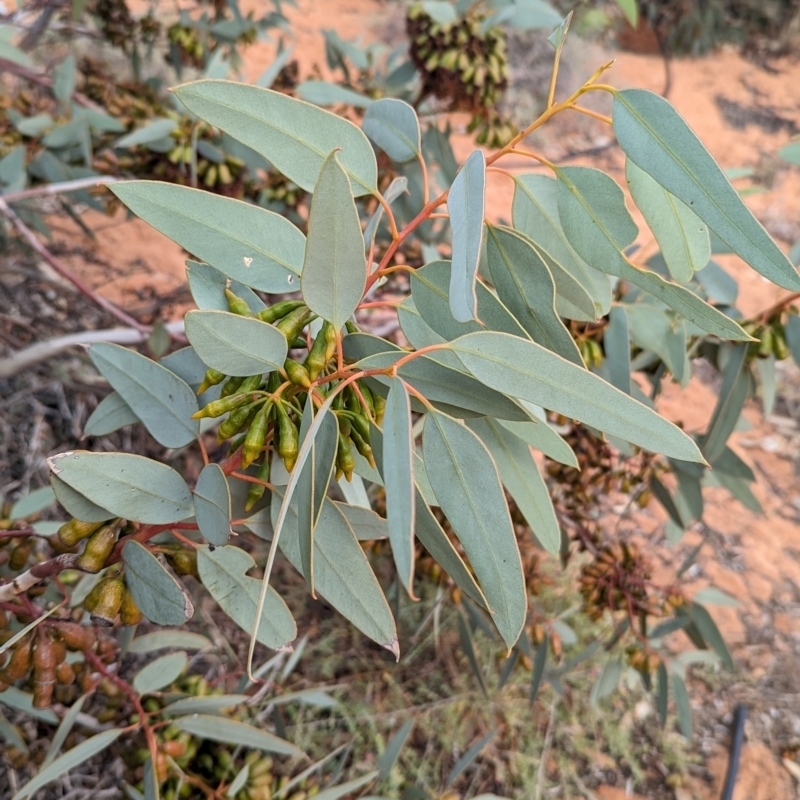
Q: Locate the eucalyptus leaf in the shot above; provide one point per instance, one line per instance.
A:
(394, 127)
(599, 226)
(325, 93)
(535, 213)
(793, 336)
(69, 760)
(680, 233)
(64, 76)
(162, 640)
(657, 139)
(223, 572)
(617, 348)
(235, 345)
(111, 414)
(525, 285)
(129, 486)
(159, 398)
(161, 598)
(429, 288)
(335, 269)
(254, 246)
(732, 394)
(682, 704)
(521, 477)
(526, 370)
(313, 483)
(159, 673)
(154, 131)
(204, 704)
(467, 486)
(295, 136)
(465, 205)
(389, 756)
(660, 332)
(398, 474)
(76, 505)
(207, 285)
(367, 524)
(343, 575)
(212, 505)
(32, 503)
(229, 731)
(64, 729)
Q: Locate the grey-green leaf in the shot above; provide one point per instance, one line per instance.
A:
(429, 288)
(254, 246)
(33, 503)
(657, 139)
(229, 731)
(76, 504)
(235, 345)
(71, 759)
(159, 673)
(535, 213)
(158, 397)
(599, 226)
(465, 205)
(296, 137)
(163, 640)
(313, 483)
(335, 268)
(659, 331)
(129, 486)
(681, 234)
(541, 436)
(394, 127)
(212, 505)
(223, 572)
(520, 475)
(617, 348)
(525, 285)
(161, 598)
(682, 704)
(732, 394)
(111, 414)
(207, 285)
(467, 486)
(154, 131)
(343, 575)
(793, 336)
(527, 370)
(398, 474)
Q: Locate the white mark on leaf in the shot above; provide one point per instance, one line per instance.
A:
(247, 261)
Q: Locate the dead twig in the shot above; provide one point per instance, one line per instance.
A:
(49, 189)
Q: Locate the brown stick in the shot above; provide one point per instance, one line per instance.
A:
(43, 80)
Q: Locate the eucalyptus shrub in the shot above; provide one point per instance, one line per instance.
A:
(325, 421)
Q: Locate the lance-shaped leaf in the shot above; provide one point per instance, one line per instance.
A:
(69, 760)
(397, 467)
(682, 705)
(529, 371)
(160, 597)
(617, 348)
(207, 285)
(535, 213)
(367, 525)
(657, 330)
(343, 575)
(296, 137)
(394, 127)
(249, 244)
(429, 293)
(427, 528)
(235, 345)
(212, 505)
(335, 268)
(732, 394)
(541, 436)
(657, 139)
(111, 414)
(158, 397)
(465, 481)
(223, 572)
(129, 486)
(599, 226)
(521, 476)
(312, 485)
(420, 334)
(680, 233)
(230, 731)
(465, 205)
(438, 383)
(525, 285)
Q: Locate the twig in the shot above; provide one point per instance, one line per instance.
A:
(37, 574)
(32, 240)
(48, 189)
(52, 347)
(43, 80)
(548, 740)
